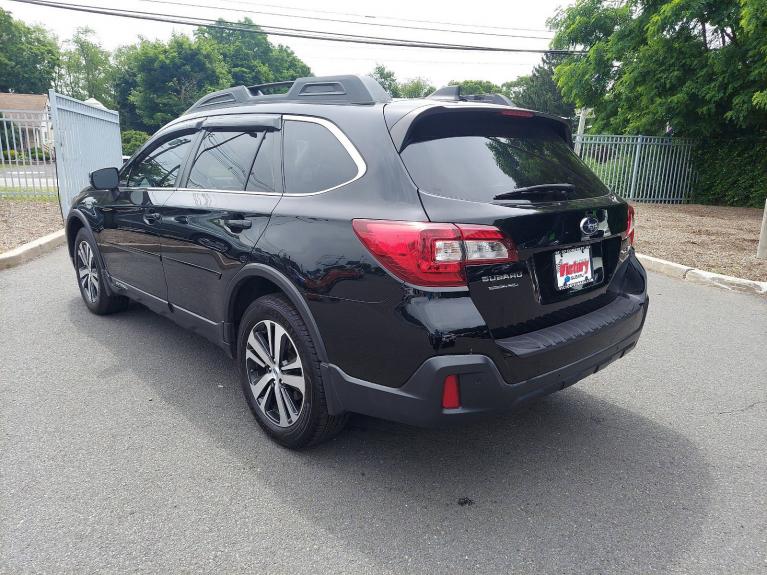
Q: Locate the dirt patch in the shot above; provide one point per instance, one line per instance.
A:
(712, 238)
(23, 221)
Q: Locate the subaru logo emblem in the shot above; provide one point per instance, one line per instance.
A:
(589, 225)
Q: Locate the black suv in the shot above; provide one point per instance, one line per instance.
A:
(422, 260)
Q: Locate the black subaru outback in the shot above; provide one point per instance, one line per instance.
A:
(422, 261)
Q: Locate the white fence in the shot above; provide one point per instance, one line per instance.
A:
(26, 155)
(641, 168)
(86, 138)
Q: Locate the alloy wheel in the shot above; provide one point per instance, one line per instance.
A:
(275, 373)
(87, 271)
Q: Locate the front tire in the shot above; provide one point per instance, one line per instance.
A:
(91, 278)
(280, 375)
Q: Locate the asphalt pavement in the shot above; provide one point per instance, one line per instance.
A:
(125, 445)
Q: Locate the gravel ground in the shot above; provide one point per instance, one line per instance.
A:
(22, 221)
(712, 238)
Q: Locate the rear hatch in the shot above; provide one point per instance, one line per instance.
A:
(515, 170)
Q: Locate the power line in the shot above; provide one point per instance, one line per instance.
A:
(283, 32)
(393, 18)
(320, 18)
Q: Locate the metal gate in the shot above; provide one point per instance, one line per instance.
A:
(641, 168)
(26, 155)
(86, 137)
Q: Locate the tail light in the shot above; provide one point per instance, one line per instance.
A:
(630, 225)
(432, 254)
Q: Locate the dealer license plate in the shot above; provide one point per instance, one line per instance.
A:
(573, 267)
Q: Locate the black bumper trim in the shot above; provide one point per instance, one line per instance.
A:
(483, 389)
(550, 338)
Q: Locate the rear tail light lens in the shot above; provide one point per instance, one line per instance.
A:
(486, 244)
(431, 254)
(630, 226)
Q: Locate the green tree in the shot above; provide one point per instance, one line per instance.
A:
(171, 76)
(754, 22)
(387, 79)
(416, 88)
(252, 58)
(132, 140)
(539, 91)
(124, 82)
(476, 86)
(28, 56)
(85, 69)
(696, 66)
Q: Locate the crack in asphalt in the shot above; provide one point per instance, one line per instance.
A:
(742, 409)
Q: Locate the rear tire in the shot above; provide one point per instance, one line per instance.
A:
(280, 375)
(91, 278)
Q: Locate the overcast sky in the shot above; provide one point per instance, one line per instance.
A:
(499, 17)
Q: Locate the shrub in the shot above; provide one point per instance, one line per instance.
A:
(731, 172)
(132, 140)
(9, 155)
(39, 154)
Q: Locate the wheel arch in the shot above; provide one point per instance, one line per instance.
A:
(255, 280)
(75, 222)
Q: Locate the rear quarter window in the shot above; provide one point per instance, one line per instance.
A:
(314, 159)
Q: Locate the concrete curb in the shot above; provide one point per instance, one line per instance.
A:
(702, 277)
(31, 250)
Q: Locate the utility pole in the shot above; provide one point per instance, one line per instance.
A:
(581, 129)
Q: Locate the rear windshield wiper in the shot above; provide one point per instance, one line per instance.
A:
(535, 190)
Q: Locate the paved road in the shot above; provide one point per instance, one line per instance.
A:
(125, 445)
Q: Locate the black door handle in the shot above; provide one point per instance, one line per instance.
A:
(238, 224)
(152, 217)
(182, 219)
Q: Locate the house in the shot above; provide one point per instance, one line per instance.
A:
(28, 115)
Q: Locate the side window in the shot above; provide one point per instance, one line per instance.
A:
(161, 167)
(314, 160)
(224, 160)
(263, 176)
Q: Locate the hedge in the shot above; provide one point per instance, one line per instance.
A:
(731, 172)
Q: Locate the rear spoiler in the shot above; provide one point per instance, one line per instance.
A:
(402, 127)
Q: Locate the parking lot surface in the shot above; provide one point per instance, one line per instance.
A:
(125, 445)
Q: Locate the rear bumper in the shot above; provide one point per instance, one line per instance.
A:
(580, 347)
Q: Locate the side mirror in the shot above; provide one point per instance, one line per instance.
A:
(105, 179)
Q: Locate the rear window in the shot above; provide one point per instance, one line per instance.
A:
(478, 155)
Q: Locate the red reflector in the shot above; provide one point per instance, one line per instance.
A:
(451, 397)
(517, 113)
(630, 226)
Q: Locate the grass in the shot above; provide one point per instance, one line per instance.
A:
(47, 194)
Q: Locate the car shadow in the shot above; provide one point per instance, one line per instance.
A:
(571, 483)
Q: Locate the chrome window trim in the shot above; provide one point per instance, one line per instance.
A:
(337, 133)
(342, 139)
(238, 192)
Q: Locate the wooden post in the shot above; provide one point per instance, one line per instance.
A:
(761, 250)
